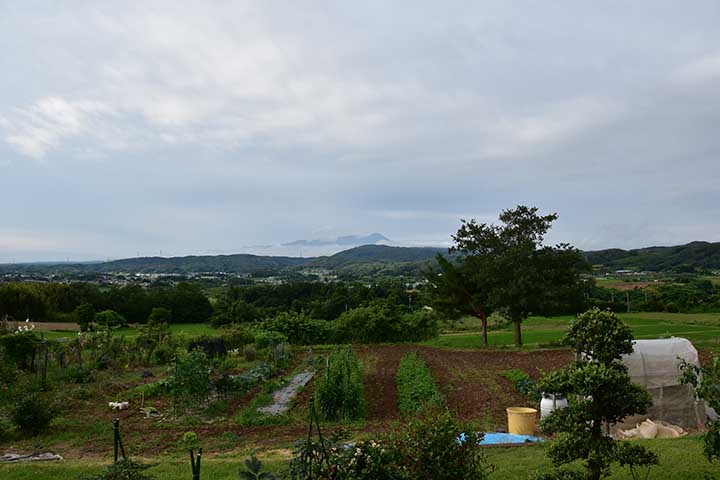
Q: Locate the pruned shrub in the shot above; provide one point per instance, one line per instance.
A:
(340, 391)
(189, 380)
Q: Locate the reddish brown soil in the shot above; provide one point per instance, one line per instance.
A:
(473, 384)
(380, 385)
(469, 379)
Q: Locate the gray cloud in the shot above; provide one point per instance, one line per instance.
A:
(195, 126)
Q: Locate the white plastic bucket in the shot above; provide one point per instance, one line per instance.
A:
(550, 403)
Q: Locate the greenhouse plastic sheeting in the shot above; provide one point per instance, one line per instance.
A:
(654, 364)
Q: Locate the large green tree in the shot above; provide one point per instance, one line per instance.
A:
(507, 268)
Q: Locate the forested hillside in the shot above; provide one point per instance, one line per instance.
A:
(680, 258)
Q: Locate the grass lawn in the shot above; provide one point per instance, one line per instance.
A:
(190, 329)
(703, 329)
(680, 458)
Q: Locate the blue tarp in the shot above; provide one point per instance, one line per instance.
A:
(497, 438)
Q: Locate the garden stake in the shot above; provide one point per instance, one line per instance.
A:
(195, 463)
(313, 416)
(118, 440)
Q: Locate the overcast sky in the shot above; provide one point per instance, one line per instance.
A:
(204, 127)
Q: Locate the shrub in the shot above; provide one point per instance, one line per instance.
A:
(80, 374)
(84, 315)
(417, 388)
(249, 353)
(706, 381)
(340, 391)
(301, 329)
(438, 447)
(190, 440)
(163, 354)
(419, 326)
(265, 339)
(110, 319)
(189, 380)
(235, 336)
(433, 447)
(32, 414)
(19, 348)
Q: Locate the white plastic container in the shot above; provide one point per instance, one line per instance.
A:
(550, 403)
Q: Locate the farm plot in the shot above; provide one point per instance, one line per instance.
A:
(473, 384)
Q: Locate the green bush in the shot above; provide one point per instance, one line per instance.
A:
(417, 388)
(19, 348)
(110, 319)
(339, 390)
(265, 339)
(32, 414)
(301, 329)
(189, 380)
(80, 374)
(163, 354)
(434, 447)
(236, 336)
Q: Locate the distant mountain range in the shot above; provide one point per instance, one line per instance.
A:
(375, 259)
(689, 257)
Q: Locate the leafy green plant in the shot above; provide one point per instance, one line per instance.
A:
(80, 374)
(340, 391)
(189, 440)
(434, 446)
(706, 381)
(417, 388)
(599, 392)
(189, 380)
(265, 339)
(254, 470)
(524, 384)
(32, 413)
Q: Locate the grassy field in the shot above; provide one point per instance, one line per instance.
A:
(703, 329)
(680, 458)
(190, 329)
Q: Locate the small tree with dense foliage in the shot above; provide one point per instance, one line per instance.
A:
(84, 315)
(189, 380)
(706, 381)
(599, 392)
